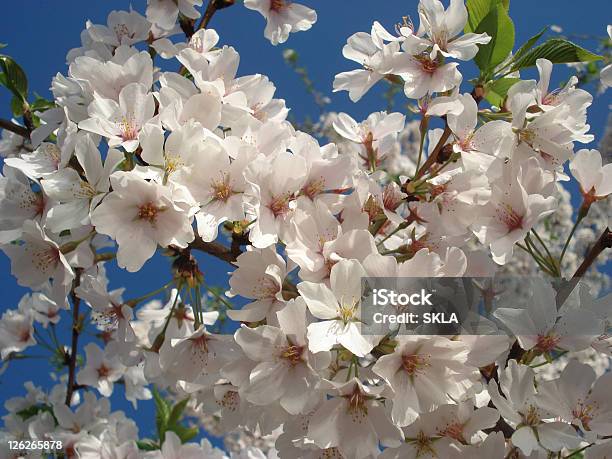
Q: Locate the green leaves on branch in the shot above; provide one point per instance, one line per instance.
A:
(497, 90)
(491, 17)
(557, 51)
(13, 77)
(167, 419)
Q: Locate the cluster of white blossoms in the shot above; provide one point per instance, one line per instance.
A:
(133, 159)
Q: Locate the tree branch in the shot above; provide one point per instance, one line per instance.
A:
(76, 301)
(434, 154)
(216, 250)
(604, 242)
(15, 128)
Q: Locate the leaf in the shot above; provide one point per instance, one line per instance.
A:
(14, 77)
(185, 433)
(477, 11)
(162, 414)
(177, 412)
(147, 445)
(3, 45)
(41, 104)
(497, 90)
(500, 28)
(557, 51)
(17, 107)
(528, 44)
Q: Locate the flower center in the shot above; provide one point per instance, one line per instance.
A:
(547, 343)
(356, 405)
(121, 30)
(346, 311)
(103, 371)
(221, 189)
(414, 364)
(230, 400)
(314, 187)
(280, 205)
(277, 5)
(148, 212)
(424, 445)
(454, 431)
(392, 198)
(427, 65)
(45, 258)
(510, 217)
(584, 412)
(293, 354)
(532, 418)
(128, 128)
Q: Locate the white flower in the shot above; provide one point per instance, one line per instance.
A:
(577, 396)
(43, 161)
(438, 31)
(275, 182)
(376, 57)
(164, 13)
(124, 28)
(423, 76)
(416, 367)
(520, 408)
(538, 325)
(73, 196)
(196, 358)
(18, 203)
(172, 448)
(36, 258)
(142, 212)
(100, 370)
(259, 276)
(511, 212)
(285, 369)
(595, 180)
(340, 309)
(354, 421)
(283, 17)
(16, 332)
(121, 122)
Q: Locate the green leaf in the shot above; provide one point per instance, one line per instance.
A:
(477, 11)
(14, 77)
(177, 412)
(185, 433)
(498, 25)
(41, 104)
(497, 90)
(17, 107)
(162, 414)
(557, 51)
(528, 44)
(147, 445)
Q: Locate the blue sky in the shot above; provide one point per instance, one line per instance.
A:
(39, 33)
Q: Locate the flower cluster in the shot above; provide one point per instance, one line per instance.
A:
(132, 159)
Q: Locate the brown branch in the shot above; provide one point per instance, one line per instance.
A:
(216, 250)
(15, 128)
(604, 242)
(76, 329)
(434, 154)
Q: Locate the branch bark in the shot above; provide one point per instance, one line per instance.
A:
(216, 250)
(434, 154)
(15, 128)
(604, 242)
(76, 301)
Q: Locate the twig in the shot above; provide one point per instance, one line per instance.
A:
(216, 250)
(15, 128)
(76, 301)
(434, 154)
(604, 242)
